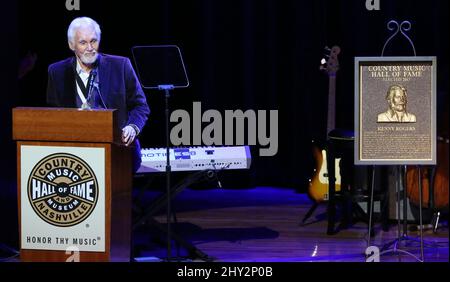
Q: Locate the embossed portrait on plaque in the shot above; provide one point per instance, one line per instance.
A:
(397, 99)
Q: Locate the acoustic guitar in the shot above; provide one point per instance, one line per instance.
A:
(318, 185)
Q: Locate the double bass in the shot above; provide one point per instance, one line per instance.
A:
(432, 177)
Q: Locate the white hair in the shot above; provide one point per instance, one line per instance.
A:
(82, 22)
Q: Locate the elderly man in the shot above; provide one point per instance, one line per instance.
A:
(397, 99)
(94, 80)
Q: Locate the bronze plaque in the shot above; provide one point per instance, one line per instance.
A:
(395, 110)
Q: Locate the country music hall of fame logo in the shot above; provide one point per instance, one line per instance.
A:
(62, 189)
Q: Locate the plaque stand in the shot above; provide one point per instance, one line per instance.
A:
(400, 186)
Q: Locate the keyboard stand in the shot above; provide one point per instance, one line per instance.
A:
(161, 201)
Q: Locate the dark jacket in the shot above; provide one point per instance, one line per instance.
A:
(118, 83)
(119, 88)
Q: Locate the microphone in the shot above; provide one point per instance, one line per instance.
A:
(95, 85)
(93, 75)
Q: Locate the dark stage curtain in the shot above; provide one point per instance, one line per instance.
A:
(8, 86)
(246, 54)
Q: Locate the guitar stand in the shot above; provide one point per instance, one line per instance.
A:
(433, 225)
(160, 202)
(401, 236)
(435, 221)
(309, 213)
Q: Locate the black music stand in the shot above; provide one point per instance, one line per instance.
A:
(161, 67)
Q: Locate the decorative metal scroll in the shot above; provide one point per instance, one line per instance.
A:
(403, 28)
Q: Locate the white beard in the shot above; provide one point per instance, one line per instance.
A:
(89, 59)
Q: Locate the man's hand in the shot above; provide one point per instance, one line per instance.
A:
(128, 135)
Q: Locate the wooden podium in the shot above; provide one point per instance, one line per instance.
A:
(68, 211)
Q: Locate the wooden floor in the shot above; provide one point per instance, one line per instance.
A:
(262, 224)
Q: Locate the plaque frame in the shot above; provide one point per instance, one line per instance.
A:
(421, 131)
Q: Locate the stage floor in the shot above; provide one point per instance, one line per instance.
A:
(262, 224)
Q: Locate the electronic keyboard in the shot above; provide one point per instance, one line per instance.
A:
(195, 158)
